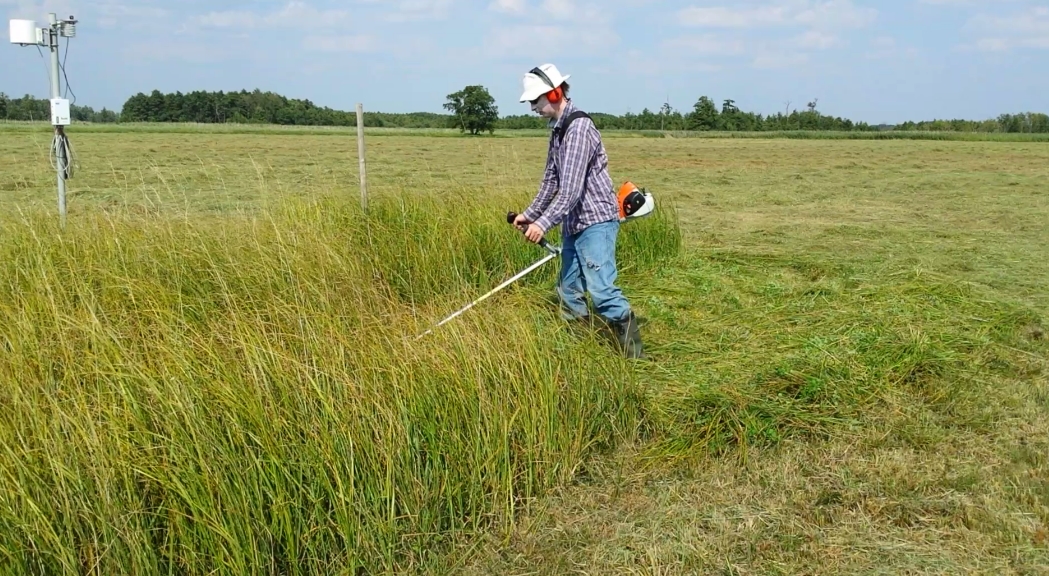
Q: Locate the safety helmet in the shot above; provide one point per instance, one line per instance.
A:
(541, 80)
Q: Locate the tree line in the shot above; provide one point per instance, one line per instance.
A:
(28, 108)
(473, 110)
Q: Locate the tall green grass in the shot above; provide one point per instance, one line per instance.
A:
(246, 394)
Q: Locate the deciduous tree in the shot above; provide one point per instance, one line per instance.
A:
(474, 109)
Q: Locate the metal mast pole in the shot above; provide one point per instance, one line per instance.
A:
(56, 92)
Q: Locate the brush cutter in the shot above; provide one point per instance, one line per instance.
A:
(553, 250)
(633, 203)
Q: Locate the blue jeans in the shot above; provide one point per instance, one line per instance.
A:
(588, 264)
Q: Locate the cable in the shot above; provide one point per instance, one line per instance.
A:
(61, 149)
(61, 142)
(62, 65)
(61, 155)
(50, 84)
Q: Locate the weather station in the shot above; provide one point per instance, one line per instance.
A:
(27, 33)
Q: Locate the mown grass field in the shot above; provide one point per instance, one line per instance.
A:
(213, 369)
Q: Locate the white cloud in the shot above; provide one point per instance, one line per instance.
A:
(704, 45)
(1034, 21)
(131, 11)
(819, 23)
(884, 47)
(98, 13)
(560, 9)
(187, 52)
(324, 30)
(997, 33)
(585, 29)
(835, 14)
(38, 9)
(884, 42)
(700, 54)
(777, 60)
(113, 15)
(721, 17)
(508, 6)
(414, 10)
(992, 44)
(557, 9)
(642, 63)
(301, 14)
(544, 41)
(949, 3)
(294, 14)
(816, 40)
(825, 14)
(360, 43)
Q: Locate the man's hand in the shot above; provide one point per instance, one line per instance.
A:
(534, 233)
(520, 222)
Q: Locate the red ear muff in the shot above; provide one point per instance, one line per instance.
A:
(556, 93)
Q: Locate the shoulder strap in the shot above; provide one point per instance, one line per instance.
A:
(568, 122)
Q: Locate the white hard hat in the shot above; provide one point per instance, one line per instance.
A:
(540, 80)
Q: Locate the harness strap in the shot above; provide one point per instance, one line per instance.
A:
(568, 121)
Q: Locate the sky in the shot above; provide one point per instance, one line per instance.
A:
(875, 61)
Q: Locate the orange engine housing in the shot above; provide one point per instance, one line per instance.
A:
(628, 194)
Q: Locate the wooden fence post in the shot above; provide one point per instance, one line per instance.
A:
(360, 156)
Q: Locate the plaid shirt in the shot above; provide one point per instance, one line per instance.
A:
(578, 170)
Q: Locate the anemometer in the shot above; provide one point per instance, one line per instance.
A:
(27, 33)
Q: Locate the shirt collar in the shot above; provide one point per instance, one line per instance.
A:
(556, 123)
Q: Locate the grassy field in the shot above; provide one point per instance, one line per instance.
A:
(213, 367)
(342, 131)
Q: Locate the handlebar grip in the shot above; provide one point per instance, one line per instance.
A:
(510, 216)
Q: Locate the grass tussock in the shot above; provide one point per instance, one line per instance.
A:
(249, 396)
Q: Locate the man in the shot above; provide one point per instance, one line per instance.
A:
(585, 205)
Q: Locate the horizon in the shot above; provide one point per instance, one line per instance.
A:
(409, 54)
(517, 115)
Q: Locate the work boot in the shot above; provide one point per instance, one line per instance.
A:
(628, 335)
